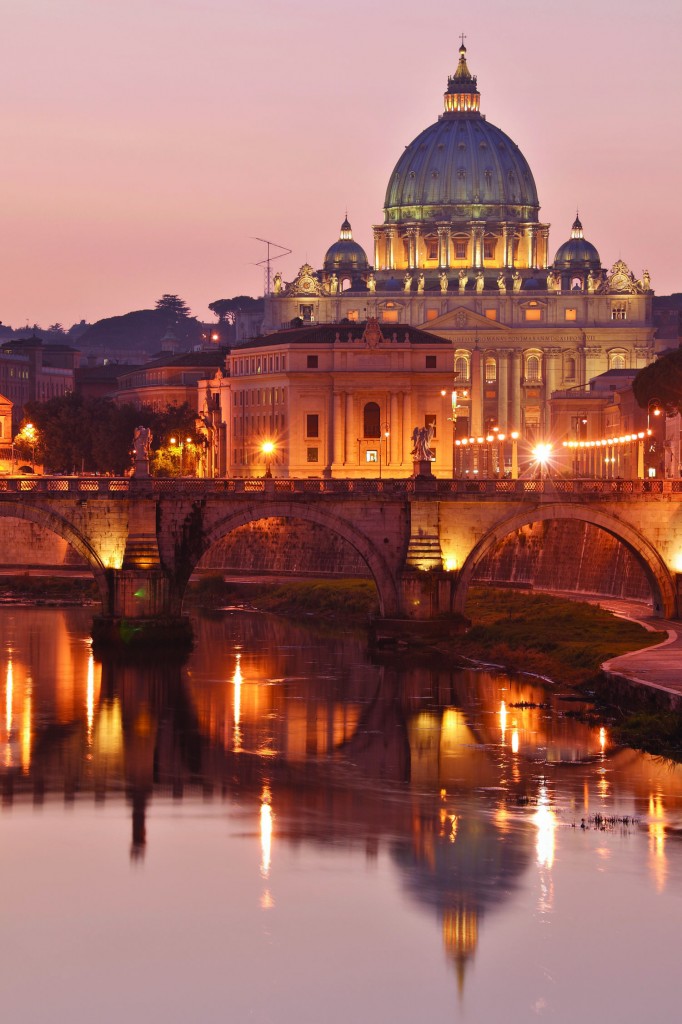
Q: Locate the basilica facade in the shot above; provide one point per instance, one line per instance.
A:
(462, 254)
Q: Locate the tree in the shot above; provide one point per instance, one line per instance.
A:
(227, 309)
(661, 382)
(174, 307)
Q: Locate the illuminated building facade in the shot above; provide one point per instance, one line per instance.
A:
(462, 253)
(339, 400)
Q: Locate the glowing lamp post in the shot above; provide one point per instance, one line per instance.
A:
(515, 455)
(267, 449)
(541, 454)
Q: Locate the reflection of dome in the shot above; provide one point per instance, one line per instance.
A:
(345, 255)
(577, 253)
(462, 166)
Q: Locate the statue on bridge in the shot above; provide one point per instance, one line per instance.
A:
(421, 439)
(142, 441)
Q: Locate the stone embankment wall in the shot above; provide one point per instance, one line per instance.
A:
(26, 543)
(282, 546)
(565, 555)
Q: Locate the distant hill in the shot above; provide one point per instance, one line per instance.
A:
(141, 332)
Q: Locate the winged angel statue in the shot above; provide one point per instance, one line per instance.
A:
(421, 439)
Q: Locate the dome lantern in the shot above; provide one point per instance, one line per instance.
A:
(461, 95)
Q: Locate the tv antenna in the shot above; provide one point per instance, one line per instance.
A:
(266, 263)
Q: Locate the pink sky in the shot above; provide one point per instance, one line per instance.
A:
(144, 142)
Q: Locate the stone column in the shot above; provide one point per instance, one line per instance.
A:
(477, 231)
(503, 389)
(390, 248)
(377, 248)
(515, 391)
(408, 427)
(411, 248)
(531, 232)
(544, 235)
(476, 393)
(552, 356)
(351, 454)
(395, 426)
(508, 244)
(338, 454)
(443, 247)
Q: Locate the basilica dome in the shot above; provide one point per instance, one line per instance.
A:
(345, 255)
(462, 167)
(577, 253)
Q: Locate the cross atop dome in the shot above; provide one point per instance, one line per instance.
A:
(577, 229)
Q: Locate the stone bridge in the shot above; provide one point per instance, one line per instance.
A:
(421, 538)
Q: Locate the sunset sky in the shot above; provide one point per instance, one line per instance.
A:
(146, 143)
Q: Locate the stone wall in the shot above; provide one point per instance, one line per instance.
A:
(285, 545)
(565, 555)
(26, 543)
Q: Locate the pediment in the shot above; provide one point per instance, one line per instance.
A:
(463, 319)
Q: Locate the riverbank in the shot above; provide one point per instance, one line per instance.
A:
(25, 588)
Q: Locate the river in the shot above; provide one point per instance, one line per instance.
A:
(281, 830)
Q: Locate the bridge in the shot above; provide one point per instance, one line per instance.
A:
(421, 537)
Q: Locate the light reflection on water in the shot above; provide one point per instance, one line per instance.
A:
(283, 797)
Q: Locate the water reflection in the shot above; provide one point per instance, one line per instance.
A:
(464, 779)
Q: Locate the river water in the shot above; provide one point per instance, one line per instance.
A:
(281, 830)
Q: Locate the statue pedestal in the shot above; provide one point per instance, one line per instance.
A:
(422, 467)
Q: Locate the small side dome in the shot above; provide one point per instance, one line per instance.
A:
(531, 284)
(345, 256)
(577, 253)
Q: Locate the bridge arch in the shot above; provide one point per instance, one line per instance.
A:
(656, 571)
(64, 529)
(384, 578)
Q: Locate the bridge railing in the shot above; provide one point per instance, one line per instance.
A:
(67, 485)
(55, 486)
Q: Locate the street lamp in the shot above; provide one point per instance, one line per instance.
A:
(541, 454)
(267, 449)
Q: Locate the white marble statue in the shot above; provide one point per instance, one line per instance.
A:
(463, 280)
(443, 278)
(480, 281)
(420, 283)
(407, 282)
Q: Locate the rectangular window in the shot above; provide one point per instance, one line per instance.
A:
(430, 421)
(571, 314)
(431, 314)
(284, 362)
(353, 315)
(430, 362)
(619, 311)
(389, 316)
(312, 425)
(489, 245)
(371, 455)
(491, 314)
(460, 249)
(313, 455)
(306, 313)
(432, 248)
(311, 362)
(533, 314)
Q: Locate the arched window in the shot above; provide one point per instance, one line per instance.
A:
(570, 368)
(371, 420)
(490, 370)
(617, 361)
(461, 368)
(533, 369)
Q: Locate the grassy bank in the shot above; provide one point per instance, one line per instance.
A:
(564, 640)
(54, 589)
(330, 600)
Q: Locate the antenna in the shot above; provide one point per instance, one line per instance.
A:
(269, 259)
